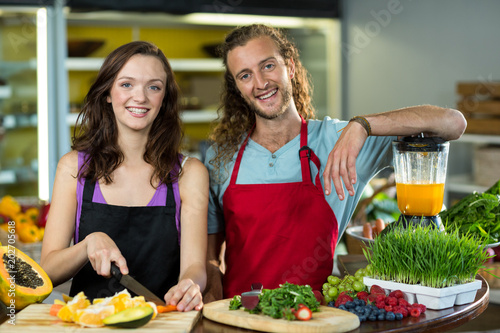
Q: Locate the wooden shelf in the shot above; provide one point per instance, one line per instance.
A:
(479, 138)
(180, 65)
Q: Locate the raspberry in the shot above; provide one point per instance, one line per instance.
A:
(403, 302)
(380, 305)
(404, 312)
(380, 298)
(422, 308)
(415, 312)
(388, 308)
(391, 301)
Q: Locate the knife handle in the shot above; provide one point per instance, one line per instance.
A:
(115, 271)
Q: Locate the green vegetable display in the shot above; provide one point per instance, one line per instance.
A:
(427, 256)
(281, 302)
(477, 214)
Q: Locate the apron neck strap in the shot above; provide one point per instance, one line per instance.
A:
(306, 154)
(236, 167)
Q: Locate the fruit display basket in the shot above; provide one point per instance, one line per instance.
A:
(26, 216)
(432, 298)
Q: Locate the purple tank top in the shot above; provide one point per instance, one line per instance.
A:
(159, 198)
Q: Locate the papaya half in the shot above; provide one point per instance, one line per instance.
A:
(22, 280)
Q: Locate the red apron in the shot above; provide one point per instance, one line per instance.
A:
(278, 233)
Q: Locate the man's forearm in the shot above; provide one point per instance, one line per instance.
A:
(431, 120)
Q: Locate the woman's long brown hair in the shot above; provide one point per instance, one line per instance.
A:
(96, 132)
(236, 118)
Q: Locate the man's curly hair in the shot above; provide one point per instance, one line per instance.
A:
(236, 117)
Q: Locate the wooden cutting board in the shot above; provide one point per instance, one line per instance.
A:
(328, 319)
(36, 318)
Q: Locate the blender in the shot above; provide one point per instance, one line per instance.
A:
(420, 173)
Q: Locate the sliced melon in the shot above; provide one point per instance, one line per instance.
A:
(130, 318)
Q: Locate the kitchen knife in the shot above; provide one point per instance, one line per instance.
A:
(130, 283)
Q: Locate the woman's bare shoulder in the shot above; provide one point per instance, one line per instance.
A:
(68, 164)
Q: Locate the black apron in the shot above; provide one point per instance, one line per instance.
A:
(146, 236)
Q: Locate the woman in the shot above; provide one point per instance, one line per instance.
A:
(124, 193)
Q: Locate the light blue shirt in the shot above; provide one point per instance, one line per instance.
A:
(260, 166)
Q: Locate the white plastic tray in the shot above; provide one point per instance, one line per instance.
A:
(432, 298)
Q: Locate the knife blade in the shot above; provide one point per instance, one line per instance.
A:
(133, 285)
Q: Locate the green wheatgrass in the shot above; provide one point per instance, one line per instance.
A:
(427, 256)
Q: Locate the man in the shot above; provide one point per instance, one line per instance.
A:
(267, 201)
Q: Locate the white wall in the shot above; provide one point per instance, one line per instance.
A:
(398, 53)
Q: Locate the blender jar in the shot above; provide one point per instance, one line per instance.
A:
(420, 172)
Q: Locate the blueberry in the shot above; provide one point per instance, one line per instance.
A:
(399, 315)
(368, 310)
(381, 311)
(359, 308)
(381, 317)
(331, 304)
(372, 317)
(349, 305)
(352, 311)
(390, 316)
(362, 318)
(342, 307)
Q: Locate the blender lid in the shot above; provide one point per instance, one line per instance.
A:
(418, 143)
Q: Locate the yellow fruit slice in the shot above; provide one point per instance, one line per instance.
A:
(120, 301)
(93, 315)
(66, 298)
(58, 301)
(68, 312)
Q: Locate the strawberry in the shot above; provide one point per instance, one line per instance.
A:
(397, 294)
(342, 299)
(372, 298)
(319, 297)
(362, 295)
(303, 313)
(375, 289)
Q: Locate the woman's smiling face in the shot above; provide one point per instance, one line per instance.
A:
(137, 92)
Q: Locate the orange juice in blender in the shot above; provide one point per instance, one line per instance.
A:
(420, 199)
(420, 173)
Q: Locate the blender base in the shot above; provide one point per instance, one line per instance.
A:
(413, 220)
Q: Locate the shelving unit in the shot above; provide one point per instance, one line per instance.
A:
(180, 65)
(464, 183)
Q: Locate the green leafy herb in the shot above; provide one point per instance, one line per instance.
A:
(478, 214)
(235, 303)
(282, 301)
